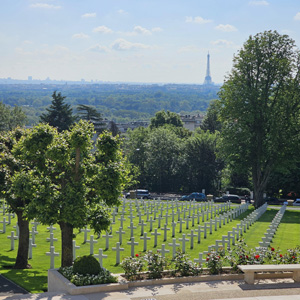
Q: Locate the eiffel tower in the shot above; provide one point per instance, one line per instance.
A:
(207, 80)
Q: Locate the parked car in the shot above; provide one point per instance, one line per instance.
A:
(229, 197)
(297, 202)
(272, 200)
(196, 196)
(140, 194)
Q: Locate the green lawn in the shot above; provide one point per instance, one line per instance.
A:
(35, 279)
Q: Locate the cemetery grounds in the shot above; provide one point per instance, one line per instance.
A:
(153, 214)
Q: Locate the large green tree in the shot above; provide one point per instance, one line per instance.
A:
(260, 108)
(201, 169)
(15, 188)
(75, 184)
(11, 117)
(59, 114)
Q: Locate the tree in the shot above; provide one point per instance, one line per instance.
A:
(260, 108)
(200, 165)
(11, 118)
(161, 118)
(113, 128)
(15, 190)
(59, 114)
(75, 184)
(211, 121)
(89, 113)
(162, 152)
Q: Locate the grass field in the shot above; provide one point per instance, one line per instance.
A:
(35, 279)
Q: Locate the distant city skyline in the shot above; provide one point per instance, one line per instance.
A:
(146, 41)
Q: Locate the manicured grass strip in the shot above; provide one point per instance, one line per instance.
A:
(288, 232)
(35, 279)
(253, 236)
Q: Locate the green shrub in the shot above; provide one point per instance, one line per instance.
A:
(86, 264)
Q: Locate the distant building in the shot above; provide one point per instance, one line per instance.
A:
(207, 80)
(191, 122)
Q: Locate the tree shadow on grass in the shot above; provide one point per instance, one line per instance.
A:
(29, 279)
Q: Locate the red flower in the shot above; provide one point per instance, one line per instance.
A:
(136, 255)
(272, 249)
(257, 256)
(293, 257)
(207, 258)
(247, 256)
(241, 256)
(280, 255)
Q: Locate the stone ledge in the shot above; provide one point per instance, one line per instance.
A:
(58, 283)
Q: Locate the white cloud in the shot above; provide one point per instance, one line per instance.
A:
(99, 48)
(156, 29)
(80, 36)
(259, 3)
(197, 19)
(226, 28)
(297, 16)
(45, 6)
(89, 15)
(102, 29)
(122, 12)
(123, 45)
(141, 30)
(222, 43)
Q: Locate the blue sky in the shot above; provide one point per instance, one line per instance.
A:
(163, 41)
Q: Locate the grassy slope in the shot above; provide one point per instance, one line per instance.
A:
(35, 279)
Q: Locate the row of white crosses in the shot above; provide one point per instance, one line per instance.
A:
(234, 234)
(186, 209)
(234, 213)
(152, 208)
(268, 236)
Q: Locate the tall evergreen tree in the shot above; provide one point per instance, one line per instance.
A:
(59, 114)
(89, 113)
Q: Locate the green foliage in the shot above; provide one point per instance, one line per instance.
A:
(169, 161)
(259, 108)
(132, 266)
(214, 262)
(184, 266)
(103, 276)
(86, 264)
(90, 113)
(75, 184)
(211, 121)
(121, 103)
(59, 114)
(162, 118)
(155, 264)
(10, 118)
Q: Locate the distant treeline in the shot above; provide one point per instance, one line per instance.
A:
(118, 102)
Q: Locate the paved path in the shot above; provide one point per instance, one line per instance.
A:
(277, 289)
(8, 287)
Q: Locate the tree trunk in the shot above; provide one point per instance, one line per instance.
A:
(66, 244)
(22, 256)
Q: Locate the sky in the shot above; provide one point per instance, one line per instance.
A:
(150, 41)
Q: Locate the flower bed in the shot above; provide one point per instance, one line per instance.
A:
(160, 270)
